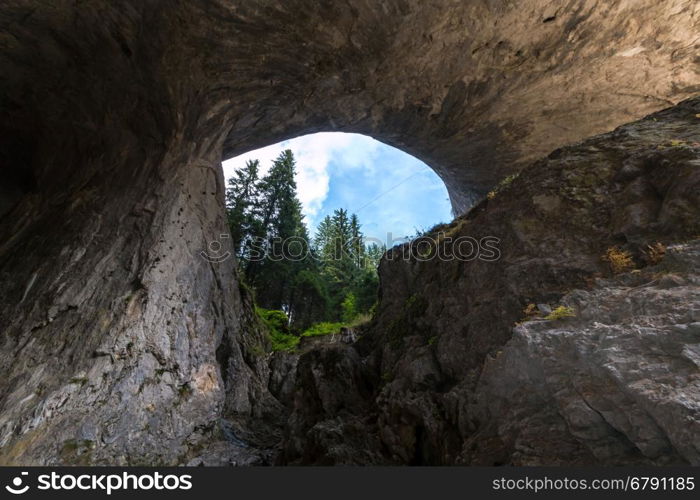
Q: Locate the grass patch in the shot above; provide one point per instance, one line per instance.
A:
(504, 183)
(283, 342)
(325, 328)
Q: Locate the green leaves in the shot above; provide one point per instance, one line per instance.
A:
(349, 308)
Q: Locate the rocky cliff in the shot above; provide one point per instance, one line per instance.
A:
(553, 353)
(121, 342)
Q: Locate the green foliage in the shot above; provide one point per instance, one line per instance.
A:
(561, 312)
(279, 248)
(365, 290)
(257, 350)
(336, 277)
(273, 319)
(241, 197)
(330, 328)
(277, 324)
(325, 328)
(311, 300)
(283, 342)
(348, 266)
(349, 308)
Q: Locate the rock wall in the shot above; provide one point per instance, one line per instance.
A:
(119, 342)
(461, 364)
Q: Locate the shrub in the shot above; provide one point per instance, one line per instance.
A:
(619, 260)
(561, 312)
(274, 319)
(278, 329)
(283, 342)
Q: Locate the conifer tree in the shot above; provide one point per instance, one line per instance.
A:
(241, 200)
(334, 280)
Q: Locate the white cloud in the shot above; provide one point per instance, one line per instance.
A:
(314, 154)
(391, 191)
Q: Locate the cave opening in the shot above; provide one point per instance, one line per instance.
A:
(115, 118)
(311, 217)
(398, 194)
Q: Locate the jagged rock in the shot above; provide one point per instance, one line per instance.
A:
(621, 380)
(283, 364)
(330, 412)
(453, 382)
(122, 342)
(283, 370)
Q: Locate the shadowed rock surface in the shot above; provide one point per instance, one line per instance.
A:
(121, 344)
(450, 379)
(619, 383)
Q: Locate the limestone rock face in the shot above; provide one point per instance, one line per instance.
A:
(621, 380)
(121, 341)
(453, 381)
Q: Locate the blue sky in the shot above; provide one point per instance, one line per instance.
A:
(390, 191)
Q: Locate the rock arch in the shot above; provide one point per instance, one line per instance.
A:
(116, 116)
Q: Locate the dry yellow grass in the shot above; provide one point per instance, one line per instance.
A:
(655, 253)
(619, 260)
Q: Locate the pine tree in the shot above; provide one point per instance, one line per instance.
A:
(334, 280)
(357, 243)
(241, 200)
(281, 237)
(373, 254)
